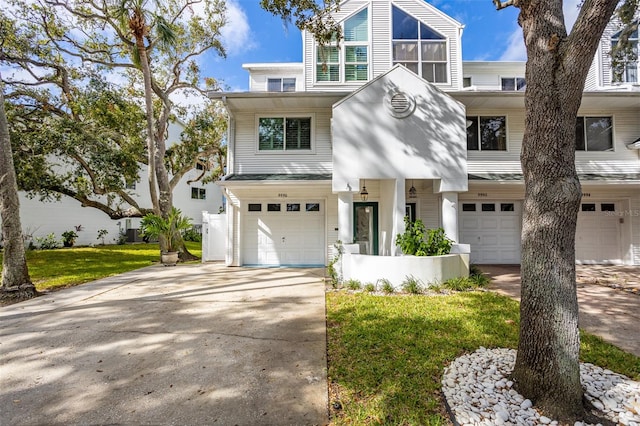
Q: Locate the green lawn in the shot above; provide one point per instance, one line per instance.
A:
(387, 353)
(71, 266)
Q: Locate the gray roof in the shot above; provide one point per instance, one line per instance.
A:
(518, 177)
(277, 177)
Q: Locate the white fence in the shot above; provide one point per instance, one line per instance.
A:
(214, 236)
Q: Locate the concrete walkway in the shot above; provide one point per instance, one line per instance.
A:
(612, 314)
(189, 345)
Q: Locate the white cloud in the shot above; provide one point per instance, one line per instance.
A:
(516, 50)
(236, 33)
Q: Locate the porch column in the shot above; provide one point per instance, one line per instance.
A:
(399, 211)
(345, 217)
(450, 215)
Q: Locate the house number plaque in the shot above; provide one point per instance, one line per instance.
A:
(282, 195)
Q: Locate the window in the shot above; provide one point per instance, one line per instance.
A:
(130, 185)
(284, 133)
(273, 207)
(352, 59)
(410, 211)
(313, 207)
(588, 207)
(607, 207)
(198, 193)
(514, 84)
(419, 48)
(293, 207)
(487, 133)
(255, 207)
(507, 207)
(468, 207)
(488, 207)
(466, 82)
(594, 134)
(628, 73)
(281, 84)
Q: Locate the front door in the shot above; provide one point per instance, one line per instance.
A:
(365, 227)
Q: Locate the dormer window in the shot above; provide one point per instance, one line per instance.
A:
(419, 48)
(351, 62)
(517, 84)
(281, 84)
(629, 72)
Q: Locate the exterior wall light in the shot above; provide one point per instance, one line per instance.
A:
(413, 193)
(364, 195)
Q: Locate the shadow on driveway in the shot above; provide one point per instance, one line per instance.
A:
(194, 344)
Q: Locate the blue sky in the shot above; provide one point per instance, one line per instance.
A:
(254, 35)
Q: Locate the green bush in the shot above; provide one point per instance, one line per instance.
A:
(476, 274)
(353, 284)
(419, 241)
(386, 286)
(192, 235)
(412, 285)
(47, 243)
(69, 238)
(370, 287)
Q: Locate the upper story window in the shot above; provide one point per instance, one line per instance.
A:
(487, 133)
(351, 63)
(629, 72)
(284, 133)
(513, 84)
(419, 48)
(198, 193)
(281, 85)
(594, 134)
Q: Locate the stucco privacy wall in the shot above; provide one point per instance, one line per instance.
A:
(429, 143)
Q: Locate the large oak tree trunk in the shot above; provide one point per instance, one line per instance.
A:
(16, 283)
(547, 365)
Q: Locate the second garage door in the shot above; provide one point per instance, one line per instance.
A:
(598, 233)
(493, 231)
(288, 233)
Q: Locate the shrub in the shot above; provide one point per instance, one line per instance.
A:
(353, 284)
(465, 283)
(412, 285)
(47, 243)
(418, 241)
(69, 238)
(101, 234)
(386, 286)
(192, 235)
(370, 287)
(476, 274)
(332, 272)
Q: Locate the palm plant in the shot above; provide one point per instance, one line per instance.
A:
(170, 229)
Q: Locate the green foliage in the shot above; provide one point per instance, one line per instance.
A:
(170, 229)
(101, 234)
(386, 286)
(47, 243)
(193, 235)
(460, 284)
(412, 285)
(479, 277)
(418, 241)
(69, 238)
(332, 272)
(370, 287)
(353, 284)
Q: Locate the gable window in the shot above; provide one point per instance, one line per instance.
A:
(351, 62)
(419, 48)
(629, 71)
(281, 84)
(513, 84)
(594, 134)
(487, 133)
(198, 193)
(284, 133)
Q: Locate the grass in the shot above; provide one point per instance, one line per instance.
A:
(387, 354)
(51, 269)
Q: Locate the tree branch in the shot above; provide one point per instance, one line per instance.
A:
(504, 4)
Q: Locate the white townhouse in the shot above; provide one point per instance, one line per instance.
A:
(393, 123)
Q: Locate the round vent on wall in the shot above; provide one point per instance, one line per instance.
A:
(400, 104)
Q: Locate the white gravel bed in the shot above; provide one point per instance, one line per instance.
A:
(478, 392)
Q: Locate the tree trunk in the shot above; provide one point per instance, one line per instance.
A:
(547, 365)
(16, 283)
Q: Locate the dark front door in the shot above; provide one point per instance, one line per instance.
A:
(365, 227)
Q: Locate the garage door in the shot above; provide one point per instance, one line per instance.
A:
(288, 233)
(493, 231)
(598, 233)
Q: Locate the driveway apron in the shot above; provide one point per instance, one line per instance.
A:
(189, 345)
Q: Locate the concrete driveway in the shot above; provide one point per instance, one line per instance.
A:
(189, 345)
(608, 308)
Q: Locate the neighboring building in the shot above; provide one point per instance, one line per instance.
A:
(40, 218)
(345, 144)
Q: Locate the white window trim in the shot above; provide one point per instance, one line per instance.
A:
(200, 190)
(586, 152)
(637, 82)
(342, 52)
(506, 129)
(512, 77)
(285, 151)
(281, 78)
(446, 40)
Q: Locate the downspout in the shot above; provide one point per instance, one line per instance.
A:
(231, 136)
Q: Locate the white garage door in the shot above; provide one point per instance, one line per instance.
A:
(493, 231)
(598, 233)
(290, 233)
